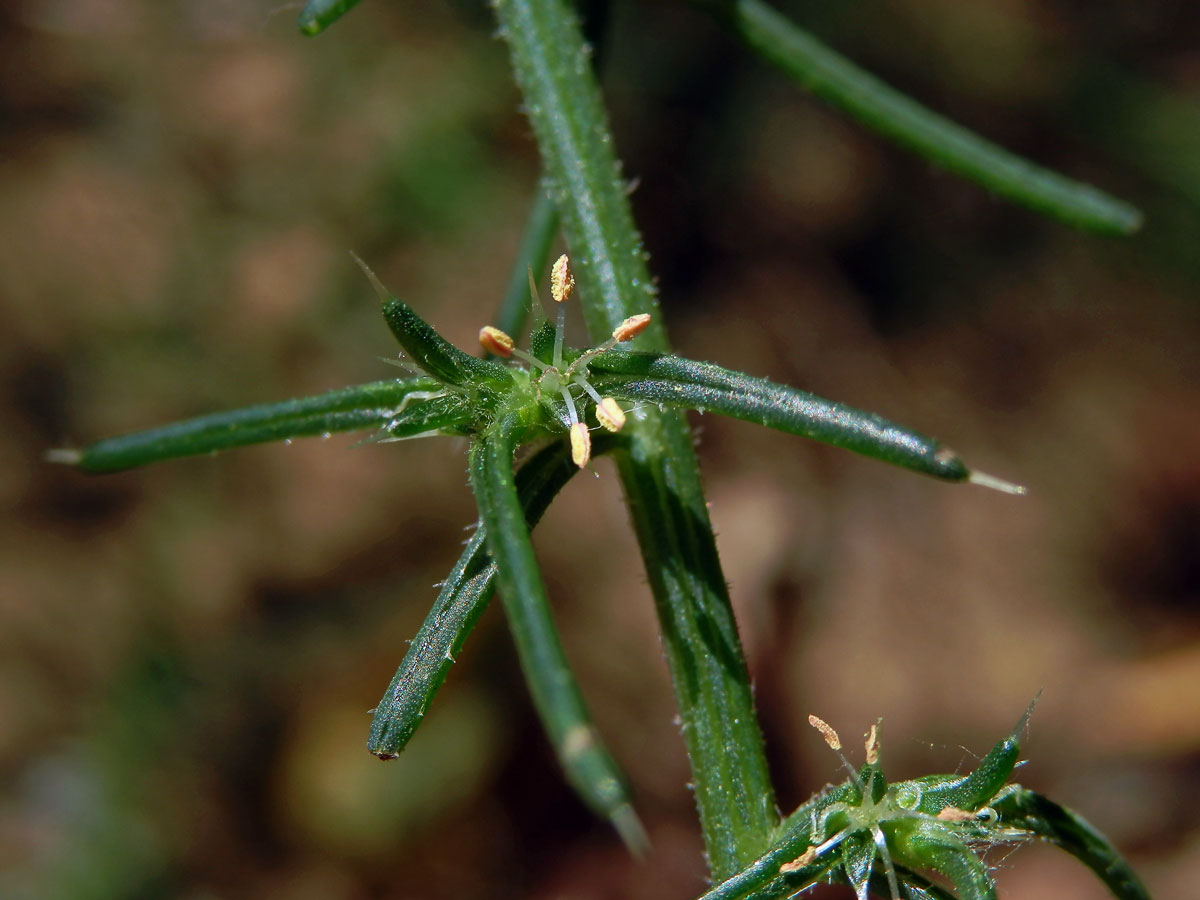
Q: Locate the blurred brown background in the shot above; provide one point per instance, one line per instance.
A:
(188, 651)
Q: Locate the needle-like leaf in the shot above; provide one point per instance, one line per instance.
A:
(377, 405)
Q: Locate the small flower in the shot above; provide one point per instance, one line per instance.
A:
(561, 386)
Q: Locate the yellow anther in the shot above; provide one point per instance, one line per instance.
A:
(495, 341)
(581, 444)
(562, 282)
(831, 736)
(631, 327)
(610, 415)
(873, 745)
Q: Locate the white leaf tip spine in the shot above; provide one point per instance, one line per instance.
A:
(66, 456)
(382, 292)
(997, 484)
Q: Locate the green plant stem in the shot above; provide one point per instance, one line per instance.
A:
(861, 95)
(588, 765)
(732, 786)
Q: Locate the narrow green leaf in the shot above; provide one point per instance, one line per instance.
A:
(428, 349)
(320, 14)
(434, 353)
(589, 767)
(861, 95)
(687, 384)
(462, 599)
(376, 405)
(1043, 817)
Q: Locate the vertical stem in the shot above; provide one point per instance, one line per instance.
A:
(733, 790)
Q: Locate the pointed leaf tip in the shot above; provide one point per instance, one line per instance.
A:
(997, 484)
(382, 292)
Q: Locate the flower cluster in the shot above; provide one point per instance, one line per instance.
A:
(556, 378)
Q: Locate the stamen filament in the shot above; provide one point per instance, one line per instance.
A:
(591, 391)
(559, 326)
(574, 414)
(527, 358)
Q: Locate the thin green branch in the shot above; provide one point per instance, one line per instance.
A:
(732, 787)
(861, 95)
(588, 765)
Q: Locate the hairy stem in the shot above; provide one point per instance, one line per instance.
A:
(662, 483)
